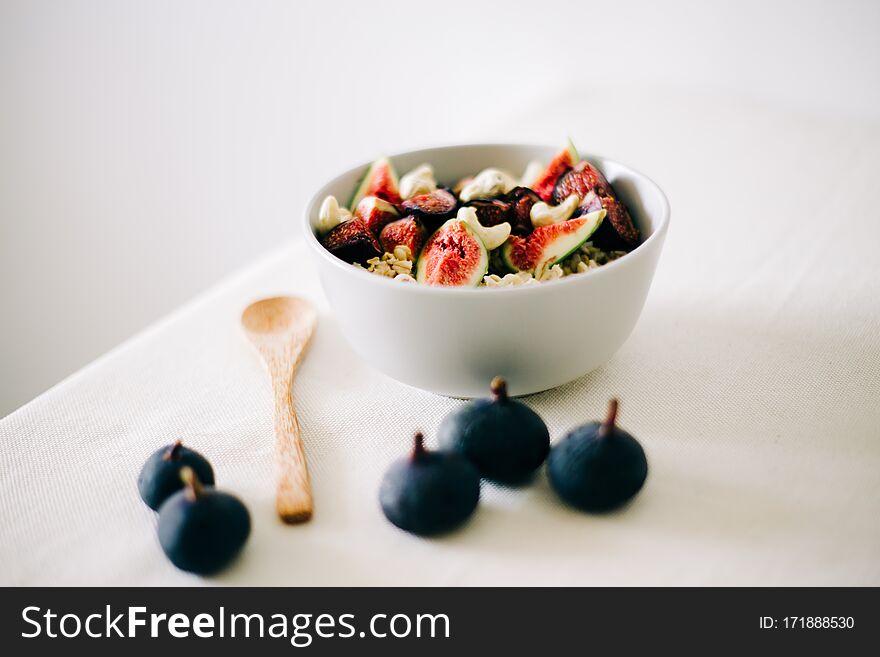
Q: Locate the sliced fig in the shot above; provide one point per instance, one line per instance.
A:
(521, 200)
(560, 164)
(581, 180)
(490, 212)
(437, 204)
(453, 256)
(409, 232)
(379, 180)
(352, 241)
(375, 212)
(549, 244)
(589, 203)
(618, 232)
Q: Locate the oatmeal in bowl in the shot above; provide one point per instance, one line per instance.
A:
(485, 229)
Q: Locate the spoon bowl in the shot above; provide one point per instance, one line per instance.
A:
(277, 315)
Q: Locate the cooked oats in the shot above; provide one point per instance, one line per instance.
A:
(392, 265)
(522, 278)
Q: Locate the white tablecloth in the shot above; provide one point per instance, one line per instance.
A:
(752, 379)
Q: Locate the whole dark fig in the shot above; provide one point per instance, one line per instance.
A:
(598, 467)
(429, 492)
(201, 529)
(160, 476)
(505, 439)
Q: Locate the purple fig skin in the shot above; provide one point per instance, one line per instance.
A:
(521, 200)
(581, 180)
(352, 241)
(439, 203)
(585, 180)
(490, 212)
(617, 232)
(429, 492)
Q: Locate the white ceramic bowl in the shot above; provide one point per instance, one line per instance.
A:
(452, 341)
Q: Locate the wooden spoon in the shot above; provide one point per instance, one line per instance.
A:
(280, 328)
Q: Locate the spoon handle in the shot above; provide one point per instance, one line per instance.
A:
(293, 499)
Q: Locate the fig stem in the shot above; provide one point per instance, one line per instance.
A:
(173, 452)
(608, 425)
(194, 487)
(498, 388)
(418, 446)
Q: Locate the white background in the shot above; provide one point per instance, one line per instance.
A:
(149, 148)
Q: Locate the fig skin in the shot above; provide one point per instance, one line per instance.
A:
(160, 478)
(439, 203)
(352, 241)
(490, 212)
(618, 231)
(375, 212)
(202, 530)
(581, 180)
(433, 208)
(429, 493)
(409, 232)
(597, 467)
(505, 439)
(521, 200)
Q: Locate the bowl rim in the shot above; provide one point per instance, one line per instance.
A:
(662, 225)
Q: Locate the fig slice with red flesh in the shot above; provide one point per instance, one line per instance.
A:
(409, 232)
(352, 241)
(490, 212)
(375, 212)
(563, 161)
(581, 180)
(437, 204)
(549, 244)
(380, 180)
(618, 230)
(521, 200)
(453, 256)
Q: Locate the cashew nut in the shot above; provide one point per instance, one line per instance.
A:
(331, 215)
(488, 184)
(418, 181)
(491, 237)
(544, 215)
